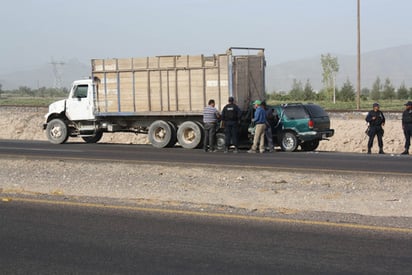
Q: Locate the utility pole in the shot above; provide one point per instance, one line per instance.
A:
(57, 66)
(359, 62)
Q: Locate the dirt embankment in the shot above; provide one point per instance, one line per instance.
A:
(26, 123)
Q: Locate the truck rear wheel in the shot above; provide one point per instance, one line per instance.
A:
(57, 131)
(94, 139)
(220, 141)
(160, 134)
(189, 135)
(174, 134)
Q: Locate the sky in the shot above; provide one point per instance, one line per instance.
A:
(34, 31)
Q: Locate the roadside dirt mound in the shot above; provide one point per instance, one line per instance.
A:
(26, 124)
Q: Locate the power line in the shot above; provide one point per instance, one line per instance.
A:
(57, 71)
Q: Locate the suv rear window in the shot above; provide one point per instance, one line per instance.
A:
(295, 112)
(316, 111)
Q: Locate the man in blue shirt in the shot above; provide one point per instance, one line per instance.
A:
(260, 127)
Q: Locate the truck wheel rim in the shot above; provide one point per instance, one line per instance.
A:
(56, 131)
(189, 135)
(159, 134)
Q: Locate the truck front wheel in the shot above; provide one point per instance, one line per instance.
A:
(189, 135)
(160, 134)
(57, 131)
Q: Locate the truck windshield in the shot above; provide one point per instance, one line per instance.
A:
(80, 91)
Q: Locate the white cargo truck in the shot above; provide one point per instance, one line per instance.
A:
(161, 96)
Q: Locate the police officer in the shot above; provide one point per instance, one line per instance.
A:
(376, 120)
(231, 116)
(407, 126)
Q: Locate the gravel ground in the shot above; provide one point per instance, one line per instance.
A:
(258, 191)
(261, 192)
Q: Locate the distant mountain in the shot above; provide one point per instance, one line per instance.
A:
(394, 63)
(43, 76)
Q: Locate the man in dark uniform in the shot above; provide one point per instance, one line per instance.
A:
(231, 116)
(407, 126)
(376, 120)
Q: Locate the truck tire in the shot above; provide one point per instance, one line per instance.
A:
(189, 135)
(160, 134)
(57, 131)
(173, 140)
(94, 139)
(220, 141)
(202, 133)
(289, 142)
(310, 145)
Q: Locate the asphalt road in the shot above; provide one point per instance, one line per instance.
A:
(38, 238)
(308, 161)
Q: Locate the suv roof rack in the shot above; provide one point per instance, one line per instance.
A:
(292, 104)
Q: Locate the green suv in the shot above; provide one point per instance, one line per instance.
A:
(297, 124)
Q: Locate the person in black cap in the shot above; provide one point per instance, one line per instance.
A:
(231, 116)
(376, 120)
(407, 126)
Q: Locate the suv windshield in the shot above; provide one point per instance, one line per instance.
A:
(295, 112)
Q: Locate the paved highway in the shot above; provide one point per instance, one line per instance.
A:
(57, 238)
(308, 161)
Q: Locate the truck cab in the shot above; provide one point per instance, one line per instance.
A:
(74, 116)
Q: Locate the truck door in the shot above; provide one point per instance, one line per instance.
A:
(79, 106)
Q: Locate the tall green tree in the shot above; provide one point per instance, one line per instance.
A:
(347, 93)
(403, 92)
(376, 89)
(296, 93)
(388, 90)
(365, 92)
(308, 93)
(1, 91)
(330, 67)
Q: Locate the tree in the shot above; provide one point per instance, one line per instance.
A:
(376, 89)
(297, 91)
(365, 92)
(1, 91)
(403, 92)
(330, 68)
(388, 90)
(308, 93)
(347, 93)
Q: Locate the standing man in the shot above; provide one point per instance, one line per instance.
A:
(210, 117)
(270, 121)
(376, 121)
(231, 116)
(260, 127)
(407, 126)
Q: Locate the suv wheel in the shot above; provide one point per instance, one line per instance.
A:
(310, 145)
(289, 142)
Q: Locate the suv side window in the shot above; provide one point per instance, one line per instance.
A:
(295, 112)
(316, 111)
